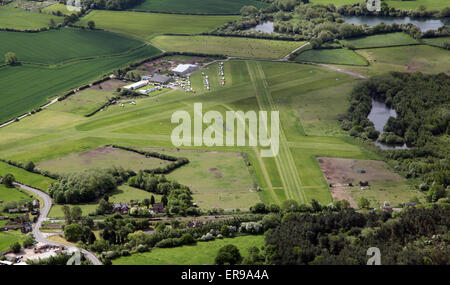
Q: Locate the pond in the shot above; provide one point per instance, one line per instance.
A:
(379, 116)
(423, 24)
(266, 27)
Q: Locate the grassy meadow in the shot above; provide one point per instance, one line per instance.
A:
(197, 6)
(12, 194)
(392, 39)
(20, 19)
(238, 47)
(56, 46)
(57, 7)
(145, 26)
(336, 56)
(25, 177)
(439, 42)
(28, 86)
(219, 177)
(199, 254)
(10, 237)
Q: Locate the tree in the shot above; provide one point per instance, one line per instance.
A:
(73, 232)
(91, 25)
(52, 23)
(29, 241)
(248, 10)
(67, 215)
(15, 247)
(363, 203)
(30, 166)
(152, 200)
(9, 180)
(11, 58)
(146, 202)
(228, 255)
(76, 214)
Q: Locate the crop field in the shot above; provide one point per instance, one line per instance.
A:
(56, 46)
(406, 5)
(238, 47)
(28, 86)
(12, 194)
(20, 19)
(103, 157)
(144, 26)
(439, 42)
(10, 237)
(300, 92)
(199, 254)
(197, 6)
(336, 56)
(385, 40)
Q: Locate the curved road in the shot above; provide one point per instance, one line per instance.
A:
(39, 236)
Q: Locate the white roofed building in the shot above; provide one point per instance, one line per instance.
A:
(183, 69)
(136, 85)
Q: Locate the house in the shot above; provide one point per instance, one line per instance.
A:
(4, 217)
(26, 228)
(13, 211)
(157, 208)
(36, 204)
(121, 208)
(147, 91)
(183, 69)
(136, 85)
(162, 79)
(10, 227)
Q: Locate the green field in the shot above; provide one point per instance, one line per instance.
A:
(25, 177)
(20, 19)
(392, 39)
(57, 7)
(103, 157)
(144, 26)
(405, 5)
(301, 93)
(10, 237)
(84, 102)
(27, 86)
(393, 192)
(238, 47)
(199, 254)
(12, 194)
(336, 56)
(56, 46)
(197, 6)
(439, 42)
(218, 180)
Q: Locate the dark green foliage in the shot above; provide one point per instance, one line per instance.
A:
(9, 180)
(228, 255)
(110, 4)
(344, 237)
(88, 185)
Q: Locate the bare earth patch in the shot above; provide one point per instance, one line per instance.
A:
(109, 85)
(339, 172)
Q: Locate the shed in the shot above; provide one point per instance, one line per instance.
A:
(183, 69)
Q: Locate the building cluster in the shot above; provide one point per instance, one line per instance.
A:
(124, 208)
(17, 221)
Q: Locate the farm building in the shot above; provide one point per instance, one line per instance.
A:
(136, 85)
(145, 92)
(183, 69)
(162, 79)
